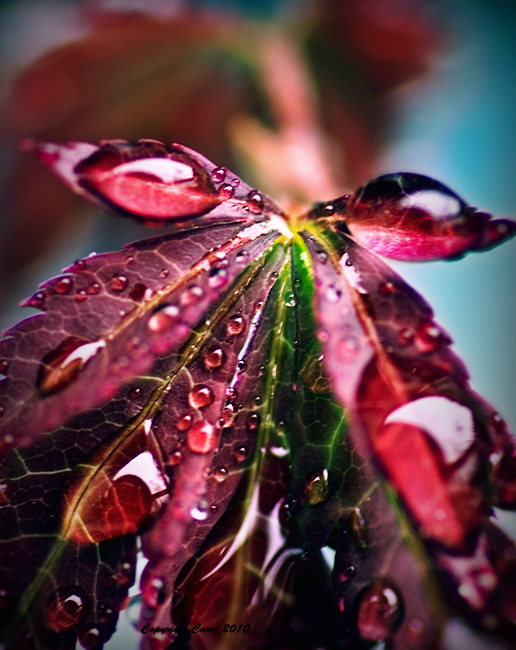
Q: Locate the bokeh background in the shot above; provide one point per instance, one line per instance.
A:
(353, 88)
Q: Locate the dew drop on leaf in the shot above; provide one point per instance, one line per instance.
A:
(119, 283)
(242, 365)
(200, 396)
(290, 300)
(242, 256)
(226, 191)
(89, 638)
(214, 358)
(202, 437)
(387, 288)
(175, 458)
(255, 202)
(346, 574)
(93, 289)
(80, 296)
(191, 295)
(428, 338)
(221, 474)
(379, 611)
(200, 512)
(317, 487)
(184, 422)
(241, 454)
(66, 608)
(228, 413)
(4, 366)
(347, 348)
(163, 317)
(37, 300)
(63, 285)
(235, 325)
(164, 274)
(253, 421)
(405, 336)
(333, 294)
(218, 175)
(138, 292)
(218, 277)
(358, 527)
(60, 367)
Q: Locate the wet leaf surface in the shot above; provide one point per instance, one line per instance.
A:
(267, 410)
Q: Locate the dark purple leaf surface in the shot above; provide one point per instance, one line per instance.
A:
(236, 396)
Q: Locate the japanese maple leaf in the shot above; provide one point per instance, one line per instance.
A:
(241, 395)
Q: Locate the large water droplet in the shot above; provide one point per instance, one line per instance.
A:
(202, 437)
(119, 283)
(63, 285)
(218, 175)
(227, 416)
(61, 366)
(379, 611)
(200, 396)
(235, 325)
(358, 527)
(255, 202)
(214, 358)
(163, 317)
(66, 608)
(201, 510)
(317, 487)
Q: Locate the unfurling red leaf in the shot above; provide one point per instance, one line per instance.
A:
(272, 410)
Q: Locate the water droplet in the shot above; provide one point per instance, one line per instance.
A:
(105, 613)
(290, 299)
(119, 283)
(221, 474)
(358, 527)
(66, 608)
(242, 365)
(184, 422)
(255, 202)
(241, 454)
(191, 295)
(154, 591)
(93, 289)
(235, 325)
(405, 336)
(134, 392)
(226, 191)
(78, 265)
(129, 260)
(89, 638)
(322, 255)
(218, 277)
(328, 210)
(218, 175)
(261, 370)
(274, 276)
(36, 301)
(347, 348)
(200, 396)
(379, 611)
(80, 296)
(333, 294)
(4, 367)
(257, 400)
(346, 573)
(215, 358)
(413, 631)
(428, 338)
(231, 392)
(200, 512)
(133, 610)
(228, 413)
(317, 487)
(242, 256)
(63, 285)
(164, 274)
(202, 437)
(175, 458)
(163, 317)
(253, 421)
(138, 292)
(387, 288)
(59, 368)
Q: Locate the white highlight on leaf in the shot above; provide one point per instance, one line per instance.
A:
(84, 352)
(167, 170)
(274, 222)
(450, 424)
(433, 201)
(145, 468)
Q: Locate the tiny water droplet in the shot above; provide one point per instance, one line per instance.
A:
(134, 392)
(4, 367)
(89, 638)
(358, 527)
(290, 299)
(405, 336)
(80, 296)
(184, 422)
(235, 325)
(346, 574)
(428, 338)
(261, 370)
(413, 632)
(347, 348)
(348, 262)
(241, 454)
(175, 458)
(231, 392)
(226, 191)
(215, 358)
(191, 295)
(129, 260)
(274, 276)
(387, 288)
(119, 283)
(255, 202)
(328, 210)
(242, 365)
(322, 255)
(163, 317)
(379, 611)
(133, 610)
(253, 421)
(257, 400)
(200, 512)
(317, 487)
(228, 413)
(202, 437)
(36, 301)
(164, 274)
(221, 474)
(200, 396)
(297, 283)
(218, 175)
(66, 608)
(63, 285)
(218, 277)
(242, 256)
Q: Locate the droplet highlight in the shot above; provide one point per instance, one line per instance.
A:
(202, 437)
(235, 325)
(200, 396)
(63, 285)
(379, 611)
(66, 608)
(215, 358)
(317, 487)
(254, 202)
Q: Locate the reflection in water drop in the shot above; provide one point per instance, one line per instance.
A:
(218, 175)
(226, 191)
(253, 421)
(235, 325)
(184, 422)
(255, 202)
(215, 357)
(66, 608)
(163, 317)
